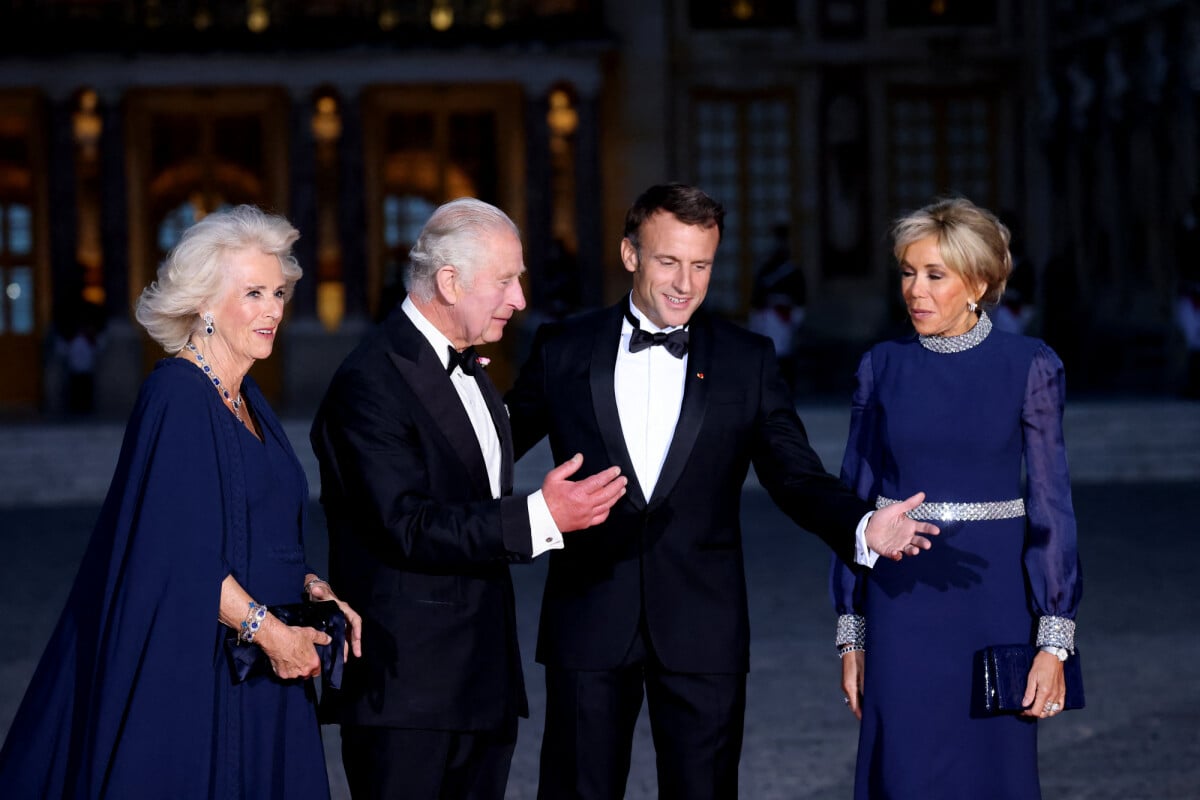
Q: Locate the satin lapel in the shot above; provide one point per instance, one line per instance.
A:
(604, 401)
(495, 404)
(419, 366)
(691, 412)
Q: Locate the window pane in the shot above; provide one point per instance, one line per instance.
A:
(174, 224)
(769, 168)
(717, 172)
(472, 164)
(20, 230)
(19, 291)
(744, 160)
(403, 217)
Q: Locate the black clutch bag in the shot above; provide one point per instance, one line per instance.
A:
(1004, 673)
(246, 660)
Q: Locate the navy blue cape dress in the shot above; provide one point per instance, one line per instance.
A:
(960, 427)
(133, 696)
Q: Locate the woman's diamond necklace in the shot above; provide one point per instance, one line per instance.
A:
(234, 402)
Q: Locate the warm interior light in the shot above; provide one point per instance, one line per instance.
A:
(202, 20)
(331, 304)
(441, 16)
(326, 123)
(494, 16)
(562, 118)
(743, 10)
(258, 19)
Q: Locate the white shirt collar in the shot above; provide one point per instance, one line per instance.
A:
(644, 321)
(436, 338)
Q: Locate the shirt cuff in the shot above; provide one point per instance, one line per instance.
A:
(545, 534)
(863, 554)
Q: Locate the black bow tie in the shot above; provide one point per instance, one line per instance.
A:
(466, 361)
(675, 342)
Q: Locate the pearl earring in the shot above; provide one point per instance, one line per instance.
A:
(208, 324)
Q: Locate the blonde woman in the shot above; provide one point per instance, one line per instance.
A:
(958, 409)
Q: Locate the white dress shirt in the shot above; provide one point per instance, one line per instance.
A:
(649, 389)
(544, 533)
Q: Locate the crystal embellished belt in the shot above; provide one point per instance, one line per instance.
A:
(970, 512)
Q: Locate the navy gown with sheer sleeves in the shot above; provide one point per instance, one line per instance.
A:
(958, 426)
(133, 696)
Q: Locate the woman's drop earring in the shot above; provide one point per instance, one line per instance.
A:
(208, 324)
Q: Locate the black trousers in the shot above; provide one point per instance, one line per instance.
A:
(404, 764)
(696, 721)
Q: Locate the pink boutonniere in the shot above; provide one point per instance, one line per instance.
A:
(483, 361)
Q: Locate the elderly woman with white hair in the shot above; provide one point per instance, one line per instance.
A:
(168, 674)
(973, 416)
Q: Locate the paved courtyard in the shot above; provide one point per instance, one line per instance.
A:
(1137, 496)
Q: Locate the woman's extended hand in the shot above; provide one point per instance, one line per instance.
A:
(852, 680)
(1046, 690)
(320, 590)
(291, 650)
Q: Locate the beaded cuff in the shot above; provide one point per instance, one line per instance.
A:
(851, 632)
(1056, 632)
(252, 622)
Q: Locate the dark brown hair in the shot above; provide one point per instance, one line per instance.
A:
(687, 204)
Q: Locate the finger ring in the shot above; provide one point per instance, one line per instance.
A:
(846, 700)
(1048, 707)
(1054, 707)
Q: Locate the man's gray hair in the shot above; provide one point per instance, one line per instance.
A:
(453, 236)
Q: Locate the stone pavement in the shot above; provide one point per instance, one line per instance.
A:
(1107, 441)
(1135, 465)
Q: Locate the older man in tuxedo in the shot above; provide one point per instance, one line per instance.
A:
(653, 601)
(416, 466)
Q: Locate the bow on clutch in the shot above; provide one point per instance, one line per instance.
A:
(246, 660)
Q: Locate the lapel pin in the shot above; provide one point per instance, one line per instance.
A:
(700, 375)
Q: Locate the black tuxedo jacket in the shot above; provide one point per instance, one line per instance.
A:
(418, 546)
(675, 556)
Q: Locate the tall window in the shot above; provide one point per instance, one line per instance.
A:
(433, 145)
(195, 151)
(16, 269)
(431, 157)
(23, 266)
(744, 158)
(941, 144)
(205, 151)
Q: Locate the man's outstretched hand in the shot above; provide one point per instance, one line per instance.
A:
(576, 505)
(893, 535)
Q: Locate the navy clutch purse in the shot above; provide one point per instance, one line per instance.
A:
(1004, 672)
(246, 660)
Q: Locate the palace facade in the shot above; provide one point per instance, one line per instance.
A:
(123, 121)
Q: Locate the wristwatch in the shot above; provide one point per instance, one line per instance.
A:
(1058, 652)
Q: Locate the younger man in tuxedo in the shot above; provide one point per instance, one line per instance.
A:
(416, 481)
(654, 599)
